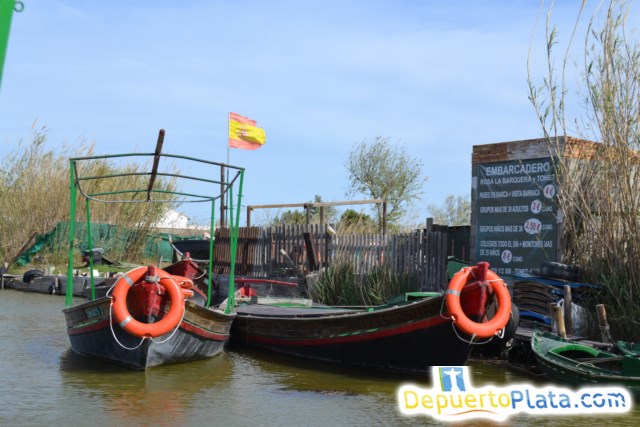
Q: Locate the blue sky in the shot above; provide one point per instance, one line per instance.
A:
(436, 77)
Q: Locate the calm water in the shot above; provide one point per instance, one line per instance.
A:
(44, 384)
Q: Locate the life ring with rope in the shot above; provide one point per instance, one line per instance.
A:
(149, 330)
(479, 273)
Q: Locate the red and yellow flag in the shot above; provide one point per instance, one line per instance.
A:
(244, 133)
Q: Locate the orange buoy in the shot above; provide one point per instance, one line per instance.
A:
(121, 313)
(479, 273)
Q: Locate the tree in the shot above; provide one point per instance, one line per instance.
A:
(380, 171)
(295, 217)
(453, 211)
(352, 220)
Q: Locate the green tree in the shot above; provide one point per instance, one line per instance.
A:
(380, 170)
(297, 216)
(353, 220)
(455, 210)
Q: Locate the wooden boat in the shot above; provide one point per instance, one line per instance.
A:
(580, 364)
(628, 347)
(151, 317)
(404, 336)
(95, 329)
(52, 285)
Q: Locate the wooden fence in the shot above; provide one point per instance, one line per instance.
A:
(299, 249)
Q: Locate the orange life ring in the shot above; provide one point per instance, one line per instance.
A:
(461, 321)
(119, 302)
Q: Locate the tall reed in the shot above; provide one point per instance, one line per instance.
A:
(340, 285)
(599, 185)
(34, 195)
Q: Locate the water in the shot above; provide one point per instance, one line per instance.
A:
(43, 383)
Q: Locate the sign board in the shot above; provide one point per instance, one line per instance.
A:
(516, 215)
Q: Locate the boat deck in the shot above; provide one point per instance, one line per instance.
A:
(277, 311)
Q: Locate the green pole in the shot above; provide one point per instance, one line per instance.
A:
(6, 13)
(72, 232)
(231, 298)
(211, 235)
(90, 246)
(233, 237)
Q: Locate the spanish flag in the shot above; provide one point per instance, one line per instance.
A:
(244, 133)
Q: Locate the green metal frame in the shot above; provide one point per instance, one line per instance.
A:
(7, 7)
(75, 186)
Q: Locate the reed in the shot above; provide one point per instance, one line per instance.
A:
(599, 184)
(34, 190)
(340, 285)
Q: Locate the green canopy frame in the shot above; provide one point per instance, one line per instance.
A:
(235, 179)
(7, 7)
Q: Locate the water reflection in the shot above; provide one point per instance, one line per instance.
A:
(44, 383)
(307, 375)
(159, 396)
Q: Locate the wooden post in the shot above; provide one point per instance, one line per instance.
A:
(558, 315)
(249, 209)
(311, 252)
(605, 333)
(567, 308)
(384, 218)
(551, 314)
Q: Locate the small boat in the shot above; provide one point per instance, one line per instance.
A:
(52, 285)
(580, 364)
(628, 347)
(151, 318)
(409, 336)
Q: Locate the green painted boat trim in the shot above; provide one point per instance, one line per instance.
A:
(578, 364)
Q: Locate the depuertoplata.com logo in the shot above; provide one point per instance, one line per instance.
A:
(453, 398)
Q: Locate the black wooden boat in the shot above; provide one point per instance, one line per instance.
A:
(407, 336)
(151, 317)
(196, 332)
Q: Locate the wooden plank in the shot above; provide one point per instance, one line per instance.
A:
(311, 252)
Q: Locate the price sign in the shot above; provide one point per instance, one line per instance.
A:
(516, 214)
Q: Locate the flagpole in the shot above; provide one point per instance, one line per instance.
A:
(228, 150)
(228, 133)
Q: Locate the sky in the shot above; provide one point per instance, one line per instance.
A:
(435, 77)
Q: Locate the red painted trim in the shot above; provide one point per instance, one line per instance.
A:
(89, 328)
(258, 280)
(363, 336)
(203, 332)
(184, 326)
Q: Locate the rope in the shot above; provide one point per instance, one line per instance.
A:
(472, 341)
(184, 310)
(174, 331)
(114, 332)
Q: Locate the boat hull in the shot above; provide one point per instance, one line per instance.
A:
(556, 358)
(407, 338)
(202, 333)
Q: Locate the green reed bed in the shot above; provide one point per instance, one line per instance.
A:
(340, 285)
